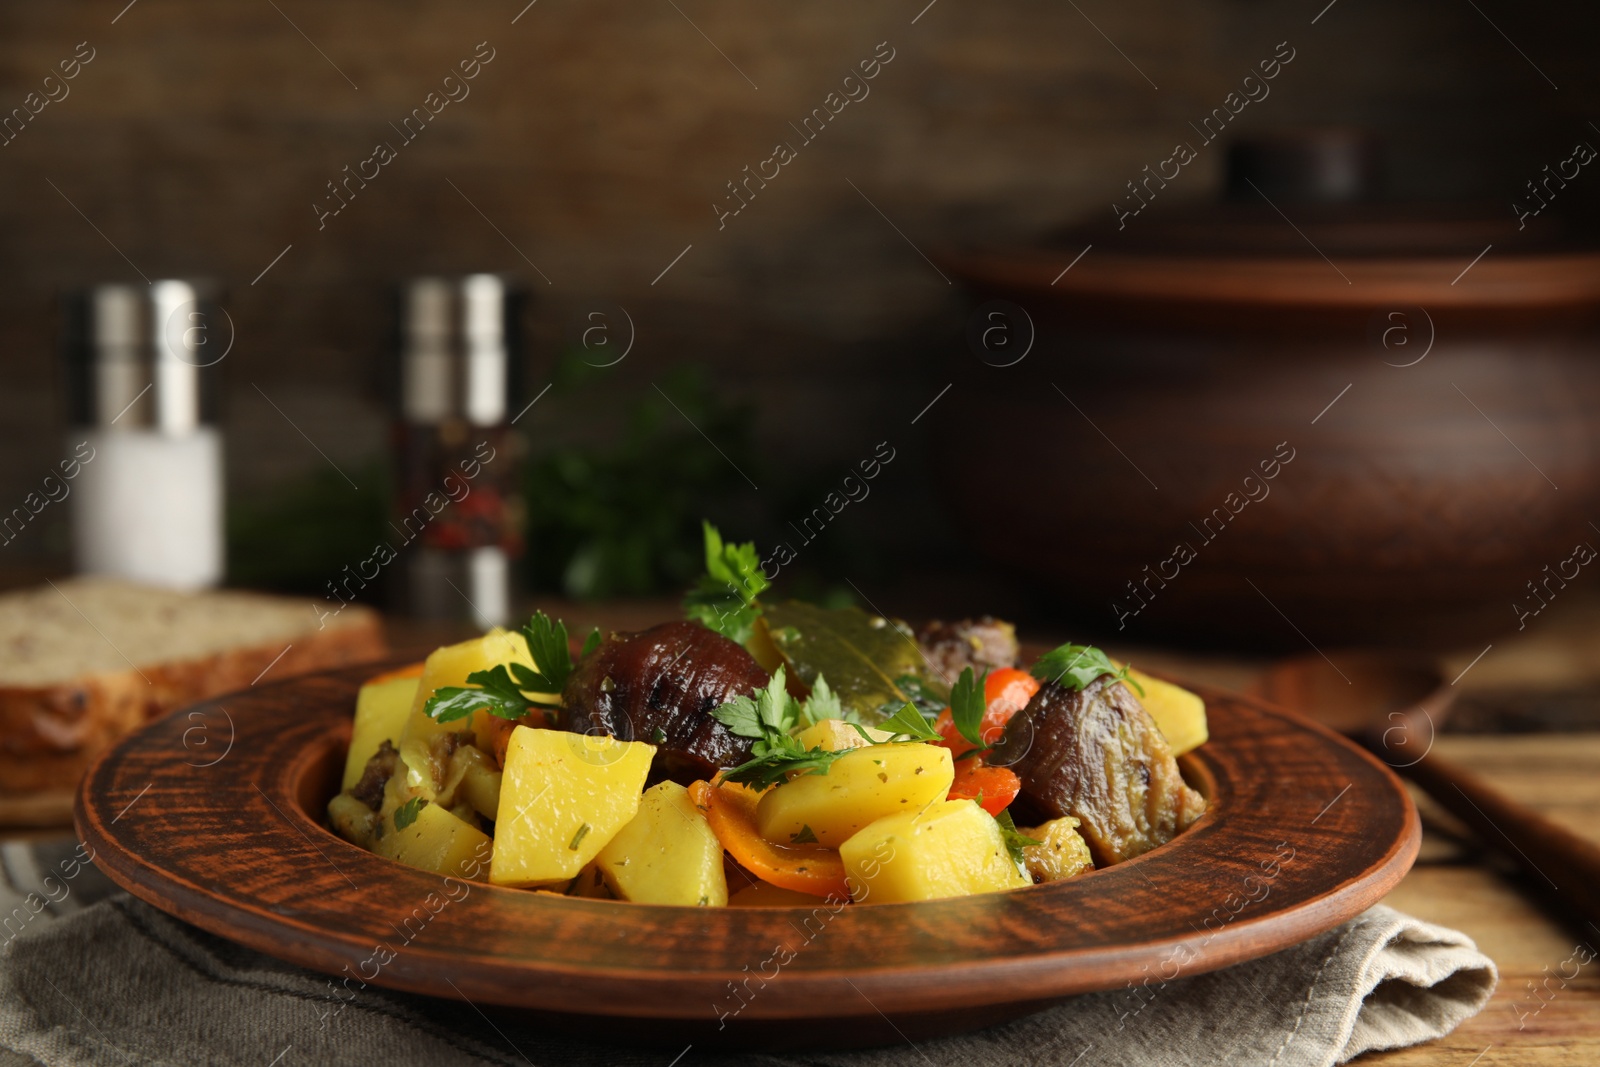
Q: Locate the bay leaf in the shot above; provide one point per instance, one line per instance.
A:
(862, 656)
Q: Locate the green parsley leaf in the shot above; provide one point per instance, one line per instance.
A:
(774, 761)
(739, 715)
(658, 736)
(547, 641)
(772, 711)
(407, 813)
(1077, 666)
(823, 703)
(502, 689)
(768, 719)
(967, 706)
(496, 693)
(590, 643)
(804, 837)
(908, 722)
(723, 598)
(1015, 839)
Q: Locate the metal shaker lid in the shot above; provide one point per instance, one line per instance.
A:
(137, 355)
(459, 337)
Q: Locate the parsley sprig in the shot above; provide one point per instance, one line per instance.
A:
(724, 597)
(503, 690)
(967, 705)
(909, 722)
(771, 717)
(768, 719)
(1077, 666)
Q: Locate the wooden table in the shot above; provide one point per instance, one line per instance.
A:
(1456, 884)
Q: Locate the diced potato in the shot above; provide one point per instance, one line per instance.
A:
(480, 786)
(832, 735)
(952, 849)
(766, 895)
(865, 785)
(1060, 854)
(437, 841)
(563, 796)
(667, 854)
(1179, 714)
(381, 709)
(352, 820)
(450, 666)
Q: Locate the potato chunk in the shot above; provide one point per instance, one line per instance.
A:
(450, 666)
(667, 854)
(563, 796)
(952, 849)
(864, 785)
(437, 841)
(381, 709)
(1060, 854)
(1179, 714)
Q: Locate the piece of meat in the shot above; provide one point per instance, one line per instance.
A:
(660, 686)
(982, 644)
(375, 775)
(1096, 755)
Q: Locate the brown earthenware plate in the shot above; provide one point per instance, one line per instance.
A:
(215, 815)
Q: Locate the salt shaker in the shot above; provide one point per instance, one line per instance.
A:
(142, 389)
(458, 508)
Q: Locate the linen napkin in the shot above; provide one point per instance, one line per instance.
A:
(89, 975)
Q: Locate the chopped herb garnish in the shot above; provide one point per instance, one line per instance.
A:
(503, 689)
(407, 813)
(804, 837)
(577, 838)
(1015, 839)
(967, 706)
(723, 598)
(658, 736)
(1077, 666)
(590, 643)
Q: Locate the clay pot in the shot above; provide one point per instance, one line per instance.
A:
(1433, 435)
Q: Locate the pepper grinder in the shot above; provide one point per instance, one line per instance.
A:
(458, 509)
(142, 392)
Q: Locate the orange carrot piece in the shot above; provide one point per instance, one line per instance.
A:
(730, 808)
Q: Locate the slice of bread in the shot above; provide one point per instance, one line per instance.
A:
(85, 661)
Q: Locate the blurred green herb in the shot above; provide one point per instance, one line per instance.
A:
(723, 598)
(296, 537)
(620, 515)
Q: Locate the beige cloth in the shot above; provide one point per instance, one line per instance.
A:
(91, 976)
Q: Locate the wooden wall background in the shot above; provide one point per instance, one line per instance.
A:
(597, 139)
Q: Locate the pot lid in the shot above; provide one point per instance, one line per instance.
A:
(1302, 223)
